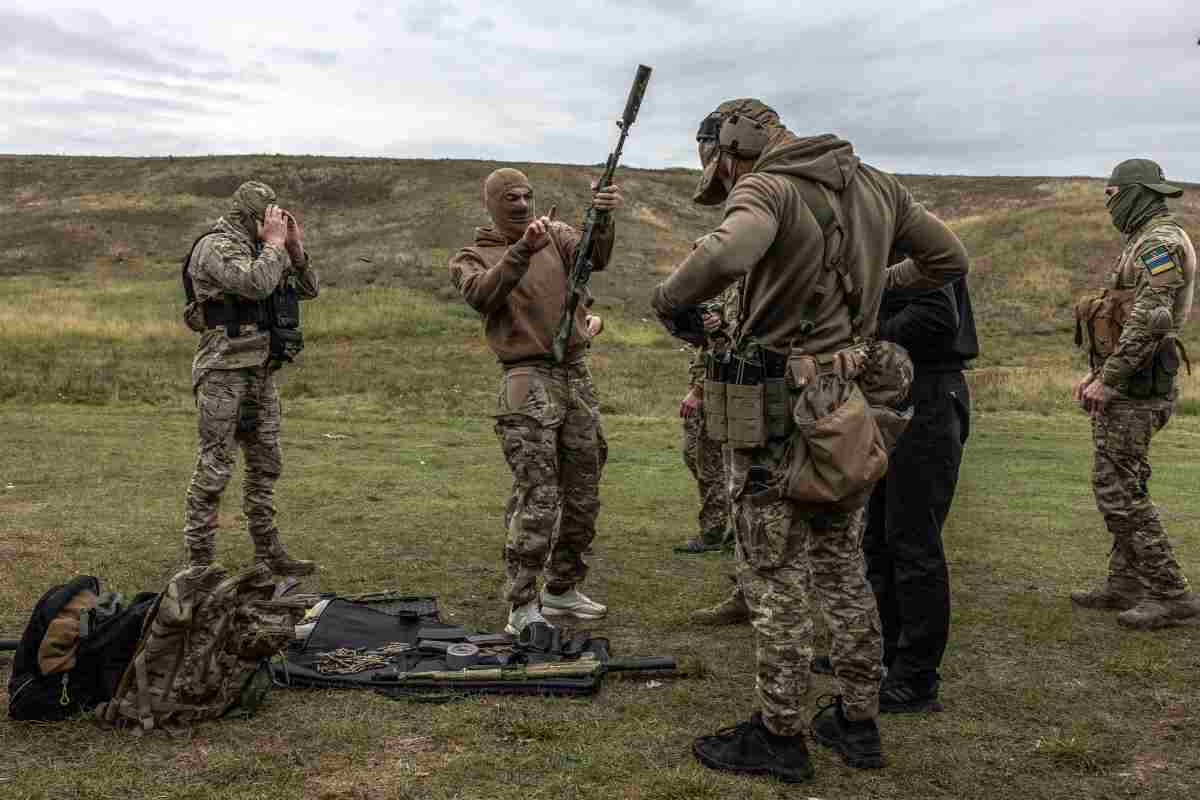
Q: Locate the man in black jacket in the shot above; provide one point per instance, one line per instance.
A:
(906, 563)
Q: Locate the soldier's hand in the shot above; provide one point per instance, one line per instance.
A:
(1080, 385)
(295, 238)
(537, 234)
(1096, 397)
(692, 402)
(274, 229)
(594, 325)
(608, 199)
(712, 322)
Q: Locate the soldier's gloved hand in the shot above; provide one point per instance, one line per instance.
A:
(274, 227)
(712, 322)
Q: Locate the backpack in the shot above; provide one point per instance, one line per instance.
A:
(204, 649)
(74, 650)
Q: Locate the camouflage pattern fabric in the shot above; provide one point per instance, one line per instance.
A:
(1120, 478)
(1162, 246)
(548, 424)
(230, 261)
(203, 640)
(785, 559)
(225, 398)
(703, 459)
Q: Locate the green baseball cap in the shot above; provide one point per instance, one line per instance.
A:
(1144, 172)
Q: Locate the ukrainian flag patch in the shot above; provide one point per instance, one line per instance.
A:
(1158, 260)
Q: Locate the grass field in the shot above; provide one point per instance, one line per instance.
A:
(393, 479)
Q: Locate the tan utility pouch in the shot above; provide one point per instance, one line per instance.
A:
(745, 415)
(715, 426)
(778, 404)
(1099, 320)
(886, 380)
(837, 453)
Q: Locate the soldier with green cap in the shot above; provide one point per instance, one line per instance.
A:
(230, 273)
(806, 234)
(1130, 333)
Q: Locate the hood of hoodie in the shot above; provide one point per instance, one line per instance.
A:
(488, 236)
(825, 159)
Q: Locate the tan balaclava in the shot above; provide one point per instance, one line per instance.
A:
(250, 202)
(711, 190)
(509, 218)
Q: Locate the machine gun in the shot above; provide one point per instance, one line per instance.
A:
(581, 270)
(586, 666)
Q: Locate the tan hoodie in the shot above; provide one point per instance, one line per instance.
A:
(521, 295)
(769, 236)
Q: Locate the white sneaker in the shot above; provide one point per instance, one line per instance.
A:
(572, 603)
(521, 616)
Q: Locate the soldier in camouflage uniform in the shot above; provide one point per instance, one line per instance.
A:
(548, 415)
(770, 239)
(701, 454)
(233, 268)
(1130, 394)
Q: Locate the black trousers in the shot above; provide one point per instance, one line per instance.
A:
(906, 563)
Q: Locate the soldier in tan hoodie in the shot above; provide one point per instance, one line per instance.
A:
(810, 290)
(548, 420)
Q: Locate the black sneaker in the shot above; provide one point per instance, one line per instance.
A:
(857, 742)
(697, 545)
(751, 749)
(899, 697)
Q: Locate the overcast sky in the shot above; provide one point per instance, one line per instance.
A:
(1056, 87)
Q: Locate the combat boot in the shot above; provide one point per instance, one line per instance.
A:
(730, 611)
(572, 603)
(270, 551)
(697, 545)
(1150, 614)
(1114, 593)
(856, 741)
(752, 749)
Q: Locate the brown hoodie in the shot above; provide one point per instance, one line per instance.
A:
(521, 295)
(769, 236)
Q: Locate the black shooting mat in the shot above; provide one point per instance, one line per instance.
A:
(366, 642)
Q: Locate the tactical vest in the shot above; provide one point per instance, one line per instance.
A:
(279, 314)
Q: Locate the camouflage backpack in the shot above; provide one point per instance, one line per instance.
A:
(204, 650)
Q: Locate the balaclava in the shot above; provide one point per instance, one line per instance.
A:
(509, 218)
(1142, 188)
(711, 191)
(250, 203)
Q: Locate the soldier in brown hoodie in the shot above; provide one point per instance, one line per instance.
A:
(810, 289)
(548, 420)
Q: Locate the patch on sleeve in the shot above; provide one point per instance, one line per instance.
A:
(1158, 260)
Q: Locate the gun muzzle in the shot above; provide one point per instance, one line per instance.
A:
(636, 93)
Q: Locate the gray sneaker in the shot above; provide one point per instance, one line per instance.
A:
(573, 603)
(520, 616)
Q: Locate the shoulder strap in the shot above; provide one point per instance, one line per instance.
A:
(817, 200)
(189, 290)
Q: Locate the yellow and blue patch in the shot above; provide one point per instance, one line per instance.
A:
(1158, 260)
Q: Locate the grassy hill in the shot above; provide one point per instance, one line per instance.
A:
(90, 249)
(393, 478)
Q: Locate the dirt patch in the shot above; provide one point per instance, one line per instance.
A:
(388, 772)
(1152, 759)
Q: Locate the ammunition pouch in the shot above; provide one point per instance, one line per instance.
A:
(746, 401)
(283, 313)
(850, 410)
(1157, 377)
(1099, 320)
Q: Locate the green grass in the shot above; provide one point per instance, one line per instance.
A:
(393, 479)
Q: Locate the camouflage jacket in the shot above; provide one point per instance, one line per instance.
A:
(1157, 263)
(229, 261)
(726, 305)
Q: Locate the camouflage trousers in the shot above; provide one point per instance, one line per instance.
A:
(1120, 476)
(703, 458)
(548, 424)
(786, 558)
(236, 407)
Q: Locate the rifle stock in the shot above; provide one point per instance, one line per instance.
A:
(596, 219)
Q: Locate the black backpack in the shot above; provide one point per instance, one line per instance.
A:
(109, 635)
